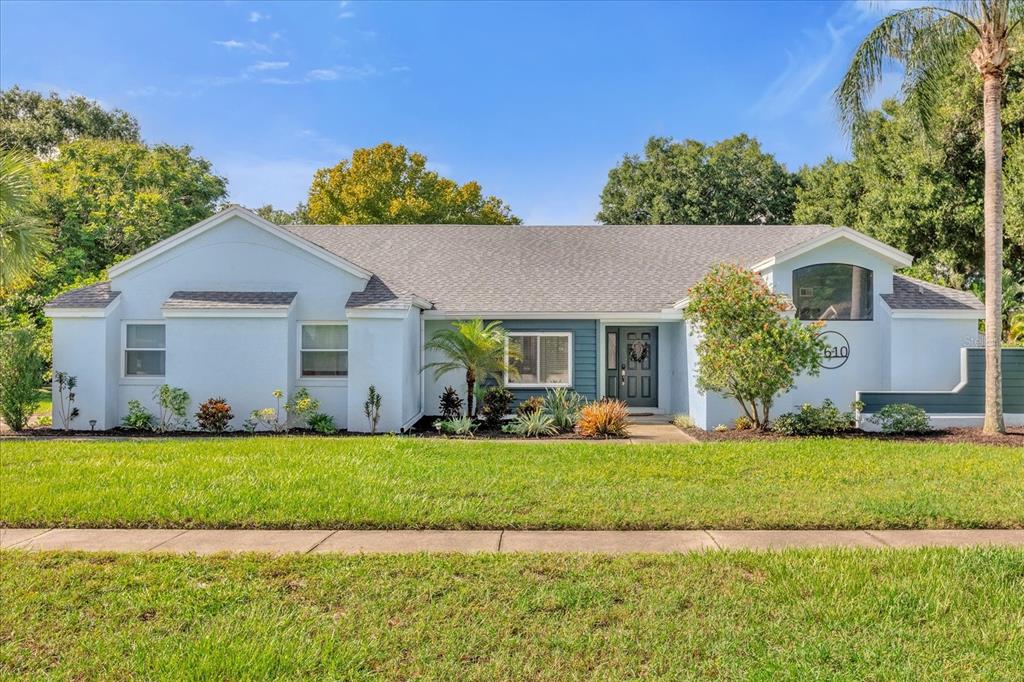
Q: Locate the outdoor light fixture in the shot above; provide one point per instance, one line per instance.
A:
(92, 424)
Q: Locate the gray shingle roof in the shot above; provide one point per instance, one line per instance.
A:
(96, 295)
(192, 300)
(379, 296)
(605, 268)
(914, 294)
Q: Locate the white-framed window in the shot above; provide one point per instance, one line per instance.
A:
(145, 349)
(323, 350)
(546, 360)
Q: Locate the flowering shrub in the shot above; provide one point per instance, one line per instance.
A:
(269, 417)
(604, 419)
(300, 407)
(747, 350)
(214, 415)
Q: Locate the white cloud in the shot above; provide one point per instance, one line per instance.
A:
(252, 46)
(346, 15)
(322, 75)
(268, 66)
(256, 17)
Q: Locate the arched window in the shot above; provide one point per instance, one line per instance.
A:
(833, 291)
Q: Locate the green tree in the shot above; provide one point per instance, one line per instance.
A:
(931, 43)
(477, 349)
(21, 367)
(39, 125)
(24, 238)
(691, 183)
(388, 184)
(747, 350)
(106, 200)
(924, 193)
(300, 216)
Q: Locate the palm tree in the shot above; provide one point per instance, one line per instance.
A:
(23, 237)
(930, 42)
(483, 351)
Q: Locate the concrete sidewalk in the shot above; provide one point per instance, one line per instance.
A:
(468, 541)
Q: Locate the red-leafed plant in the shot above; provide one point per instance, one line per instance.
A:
(214, 415)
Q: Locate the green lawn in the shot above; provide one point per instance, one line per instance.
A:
(826, 614)
(431, 483)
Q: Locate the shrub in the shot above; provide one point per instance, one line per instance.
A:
(173, 404)
(604, 419)
(564, 407)
(747, 350)
(901, 418)
(742, 423)
(534, 403)
(371, 408)
(683, 421)
(450, 404)
(138, 417)
(460, 426)
(495, 405)
(214, 415)
(249, 425)
(533, 425)
(21, 368)
(66, 398)
(322, 423)
(721, 428)
(814, 421)
(269, 417)
(299, 407)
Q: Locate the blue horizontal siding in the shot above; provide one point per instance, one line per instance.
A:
(584, 352)
(968, 400)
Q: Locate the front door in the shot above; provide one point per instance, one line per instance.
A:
(631, 365)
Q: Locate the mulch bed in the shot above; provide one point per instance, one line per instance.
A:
(1014, 436)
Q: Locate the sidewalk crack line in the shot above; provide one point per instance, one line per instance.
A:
(164, 542)
(322, 541)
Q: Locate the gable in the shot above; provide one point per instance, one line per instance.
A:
(236, 213)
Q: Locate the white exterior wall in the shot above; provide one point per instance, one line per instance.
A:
(925, 352)
(707, 410)
(242, 359)
(383, 348)
(86, 348)
(432, 388)
(864, 370)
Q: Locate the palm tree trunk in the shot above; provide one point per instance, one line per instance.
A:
(470, 384)
(992, 99)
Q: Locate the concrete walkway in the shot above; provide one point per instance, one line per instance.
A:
(464, 541)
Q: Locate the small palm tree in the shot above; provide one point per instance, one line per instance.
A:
(930, 43)
(483, 351)
(23, 237)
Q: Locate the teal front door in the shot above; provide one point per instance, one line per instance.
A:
(631, 365)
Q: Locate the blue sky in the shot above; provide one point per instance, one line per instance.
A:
(537, 101)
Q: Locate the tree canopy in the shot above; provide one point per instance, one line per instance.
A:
(105, 200)
(924, 193)
(40, 124)
(692, 183)
(390, 184)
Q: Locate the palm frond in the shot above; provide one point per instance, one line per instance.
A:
(900, 39)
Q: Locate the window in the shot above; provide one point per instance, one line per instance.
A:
(546, 360)
(833, 291)
(144, 350)
(323, 350)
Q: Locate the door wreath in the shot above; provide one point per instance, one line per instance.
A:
(639, 350)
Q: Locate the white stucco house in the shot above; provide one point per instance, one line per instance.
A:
(237, 307)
